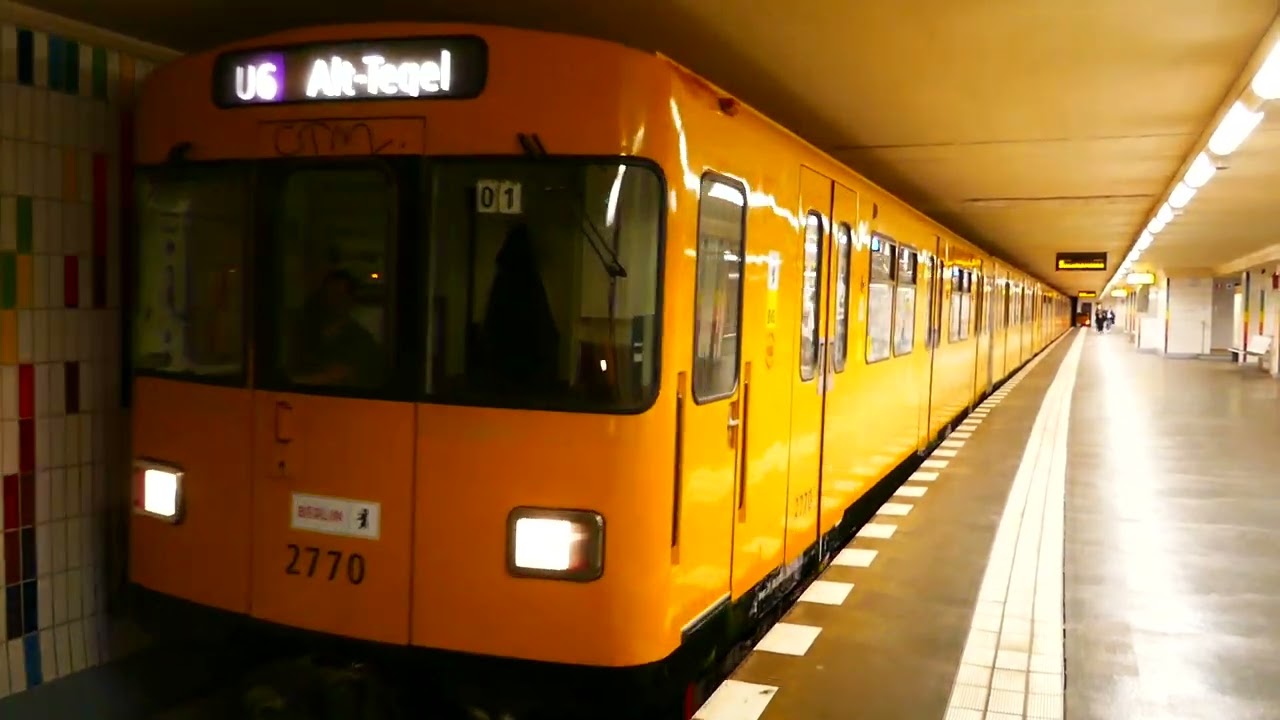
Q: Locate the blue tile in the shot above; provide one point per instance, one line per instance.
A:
(26, 57)
(57, 62)
(30, 607)
(35, 669)
(13, 612)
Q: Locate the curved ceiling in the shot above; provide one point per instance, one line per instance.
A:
(1029, 126)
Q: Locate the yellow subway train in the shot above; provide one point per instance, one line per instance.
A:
(516, 349)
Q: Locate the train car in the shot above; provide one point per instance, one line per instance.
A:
(520, 351)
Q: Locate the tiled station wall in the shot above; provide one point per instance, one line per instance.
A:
(63, 124)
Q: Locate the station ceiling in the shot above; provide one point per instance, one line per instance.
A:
(1029, 126)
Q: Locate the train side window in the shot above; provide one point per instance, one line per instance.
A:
(844, 248)
(809, 302)
(880, 299)
(722, 216)
(938, 293)
(966, 303)
(904, 312)
(954, 306)
(979, 302)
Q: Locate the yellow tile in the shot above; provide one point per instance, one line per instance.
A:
(70, 164)
(8, 337)
(24, 281)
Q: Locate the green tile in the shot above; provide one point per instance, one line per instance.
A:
(8, 280)
(24, 225)
(100, 73)
(72, 66)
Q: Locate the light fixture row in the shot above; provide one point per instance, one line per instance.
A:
(1245, 115)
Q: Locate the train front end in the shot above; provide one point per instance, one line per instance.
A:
(397, 341)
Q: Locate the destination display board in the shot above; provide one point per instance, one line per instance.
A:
(1069, 261)
(360, 70)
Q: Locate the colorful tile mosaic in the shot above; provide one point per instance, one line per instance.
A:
(63, 113)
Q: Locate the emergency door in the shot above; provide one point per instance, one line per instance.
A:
(333, 453)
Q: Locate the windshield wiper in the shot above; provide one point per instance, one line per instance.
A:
(533, 147)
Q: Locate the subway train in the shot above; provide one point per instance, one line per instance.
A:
(524, 355)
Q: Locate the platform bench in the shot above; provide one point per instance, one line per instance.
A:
(1259, 346)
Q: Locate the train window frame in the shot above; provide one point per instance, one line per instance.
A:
(245, 377)
(886, 277)
(966, 303)
(715, 177)
(844, 274)
(955, 304)
(402, 346)
(912, 283)
(421, 301)
(819, 300)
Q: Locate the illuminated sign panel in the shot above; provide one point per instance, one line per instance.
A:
(1140, 278)
(1087, 294)
(1082, 261)
(397, 69)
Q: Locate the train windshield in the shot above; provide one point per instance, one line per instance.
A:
(543, 283)
(193, 225)
(528, 283)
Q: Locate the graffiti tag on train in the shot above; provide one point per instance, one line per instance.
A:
(337, 136)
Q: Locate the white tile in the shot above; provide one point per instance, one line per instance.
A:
(17, 666)
(1044, 684)
(79, 660)
(1006, 701)
(736, 700)
(913, 491)
(1012, 680)
(924, 475)
(881, 531)
(973, 675)
(48, 656)
(1045, 707)
(855, 557)
(959, 713)
(932, 463)
(944, 453)
(44, 554)
(789, 639)
(968, 426)
(971, 697)
(952, 443)
(1012, 660)
(62, 634)
(896, 509)
(825, 592)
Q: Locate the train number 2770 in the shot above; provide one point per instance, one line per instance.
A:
(308, 561)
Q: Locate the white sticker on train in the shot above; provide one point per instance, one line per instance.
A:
(336, 516)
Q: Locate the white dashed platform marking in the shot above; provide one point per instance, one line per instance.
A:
(912, 491)
(932, 463)
(879, 531)
(897, 509)
(736, 700)
(855, 557)
(924, 475)
(789, 639)
(826, 592)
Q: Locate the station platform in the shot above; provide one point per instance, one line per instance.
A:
(1097, 540)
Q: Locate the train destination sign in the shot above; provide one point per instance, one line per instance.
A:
(1087, 294)
(396, 69)
(1082, 261)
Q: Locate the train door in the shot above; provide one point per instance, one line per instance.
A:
(930, 274)
(809, 381)
(333, 451)
(840, 401)
(989, 303)
(716, 399)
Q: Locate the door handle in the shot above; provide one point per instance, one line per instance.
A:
(734, 421)
(284, 423)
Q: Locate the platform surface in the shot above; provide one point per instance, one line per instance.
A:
(1101, 539)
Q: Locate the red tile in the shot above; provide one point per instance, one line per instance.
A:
(12, 558)
(71, 281)
(26, 446)
(12, 503)
(26, 391)
(27, 493)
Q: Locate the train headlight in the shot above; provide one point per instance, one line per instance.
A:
(157, 490)
(556, 544)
